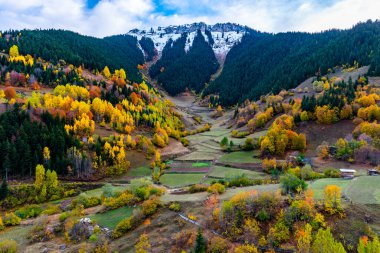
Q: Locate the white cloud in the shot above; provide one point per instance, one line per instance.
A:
(119, 16)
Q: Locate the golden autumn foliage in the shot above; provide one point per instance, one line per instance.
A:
(10, 93)
(83, 126)
(325, 115)
(332, 199)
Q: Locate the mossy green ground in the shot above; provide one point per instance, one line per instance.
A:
(200, 165)
(225, 172)
(239, 157)
(180, 180)
(111, 218)
(142, 171)
(99, 191)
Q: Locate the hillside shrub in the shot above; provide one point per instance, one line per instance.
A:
(85, 201)
(10, 219)
(197, 188)
(51, 209)
(8, 246)
(216, 188)
(29, 211)
(292, 184)
(150, 206)
(240, 181)
(128, 224)
(124, 199)
(63, 216)
(334, 173)
(175, 206)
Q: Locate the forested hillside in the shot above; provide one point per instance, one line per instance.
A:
(116, 52)
(262, 63)
(178, 69)
(148, 46)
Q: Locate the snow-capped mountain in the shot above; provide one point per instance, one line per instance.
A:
(224, 36)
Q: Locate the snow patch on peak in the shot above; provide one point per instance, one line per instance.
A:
(225, 36)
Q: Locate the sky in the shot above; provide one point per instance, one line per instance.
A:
(101, 18)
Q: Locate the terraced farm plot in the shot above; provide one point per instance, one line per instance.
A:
(180, 180)
(361, 190)
(364, 190)
(142, 171)
(189, 167)
(199, 156)
(225, 172)
(215, 133)
(98, 192)
(239, 157)
(200, 164)
(319, 185)
(111, 218)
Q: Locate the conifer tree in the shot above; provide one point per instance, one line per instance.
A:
(200, 243)
(4, 189)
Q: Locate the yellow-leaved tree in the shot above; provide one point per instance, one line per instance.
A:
(332, 199)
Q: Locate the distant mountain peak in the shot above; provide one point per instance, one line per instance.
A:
(224, 35)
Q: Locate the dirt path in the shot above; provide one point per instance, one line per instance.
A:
(54, 219)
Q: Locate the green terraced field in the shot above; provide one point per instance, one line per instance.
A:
(181, 180)
(142, 171)
(111, 218)
(239, 157)
(225, 172)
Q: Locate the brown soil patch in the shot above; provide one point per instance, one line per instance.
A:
(317, 133)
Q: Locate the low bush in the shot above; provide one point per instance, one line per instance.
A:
(334, 173)
(51, 209)
(237, 134)
(292, 184)
(85, 201)
(124, 199)
(10, 219)
(1, 224)
(150, 206)
(240, 181)
(216, 188)
(176, 207)
(63, 216)
(197, 188)
(93, 238)
(128, 224)
(29, 211)
(8, 246)
(123, 227)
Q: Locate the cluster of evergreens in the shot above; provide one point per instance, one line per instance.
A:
(265, 62)
(23, 142)
(178, 69)
(148, 46)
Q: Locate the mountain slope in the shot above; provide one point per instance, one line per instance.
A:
(53, 45)
(264, 62)
(179, 68)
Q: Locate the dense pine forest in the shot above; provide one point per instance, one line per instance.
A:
(178, 69)
(148, 46)
(262, 62)
(116, 52)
